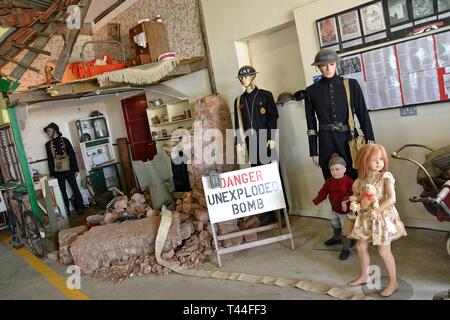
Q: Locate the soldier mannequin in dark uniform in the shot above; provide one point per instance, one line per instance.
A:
(58, 145)
(326, 103)
(259, 111)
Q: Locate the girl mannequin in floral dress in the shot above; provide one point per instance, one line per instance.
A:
(379, 227)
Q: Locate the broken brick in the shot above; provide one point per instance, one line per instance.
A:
(186, 229)
(198, 225)
(201, 215)
(139, 198)
(121, 203)
(251, 237)
(111, 217)
(190, 208)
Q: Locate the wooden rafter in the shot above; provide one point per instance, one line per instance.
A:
(39, 44)
(70, 40)
(108, 11)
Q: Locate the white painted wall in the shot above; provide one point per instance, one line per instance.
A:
(276, 57)
(228, 22)
(62, 113)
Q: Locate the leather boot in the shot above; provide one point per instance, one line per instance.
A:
(346, 242)
(336, 239)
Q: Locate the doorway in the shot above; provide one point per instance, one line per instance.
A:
(142, 146)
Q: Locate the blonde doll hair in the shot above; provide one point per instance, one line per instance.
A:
(365, 154)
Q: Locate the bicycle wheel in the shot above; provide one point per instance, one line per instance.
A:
(35, 233)
(15, 228)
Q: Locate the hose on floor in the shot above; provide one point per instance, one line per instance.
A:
(166, 222)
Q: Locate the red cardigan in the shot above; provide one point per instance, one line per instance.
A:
(338, 190)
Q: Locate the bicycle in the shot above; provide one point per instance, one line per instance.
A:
(24, 223)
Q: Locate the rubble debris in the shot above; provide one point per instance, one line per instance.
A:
(116, 251)
(54, 255)
(121, 203)
(139, 198)
(111, 217)
(66, 238)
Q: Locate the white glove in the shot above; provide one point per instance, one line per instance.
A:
(315, 160)
(271, 144)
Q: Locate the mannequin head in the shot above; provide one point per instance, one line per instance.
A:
(326, 60)
(328, 70)
(246, 76)
(248, 82)
(337, 166)
(52, 130)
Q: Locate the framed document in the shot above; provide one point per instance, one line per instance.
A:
(349, 26)
(443, 5)
(422, 8)
(398, 12)
(327, 30)
(373, 18)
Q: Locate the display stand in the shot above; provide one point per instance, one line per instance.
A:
(244, 188)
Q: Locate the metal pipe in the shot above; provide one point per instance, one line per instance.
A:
(396, 156)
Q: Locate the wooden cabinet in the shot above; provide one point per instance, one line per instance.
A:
(154, 36)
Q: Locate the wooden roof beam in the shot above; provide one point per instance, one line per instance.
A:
(71, 38)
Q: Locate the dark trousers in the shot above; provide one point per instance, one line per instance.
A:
(335, 142)
(70, 178)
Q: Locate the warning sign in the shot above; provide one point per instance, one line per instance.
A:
(245, 193)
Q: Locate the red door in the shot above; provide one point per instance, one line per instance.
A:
(135, 114)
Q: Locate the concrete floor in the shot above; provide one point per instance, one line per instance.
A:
(422, 264)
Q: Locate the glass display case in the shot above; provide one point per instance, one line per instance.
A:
(91, 129)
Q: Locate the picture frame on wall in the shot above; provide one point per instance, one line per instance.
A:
(444, 9)
(372, 17)
(398, 12)
(443, 6)
(327, 30)
(423, 9)
(349, 26)
(399, 18)
(114, 31)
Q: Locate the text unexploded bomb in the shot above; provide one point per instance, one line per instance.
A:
(244, 199)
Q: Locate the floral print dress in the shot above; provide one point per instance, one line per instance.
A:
(384, 227)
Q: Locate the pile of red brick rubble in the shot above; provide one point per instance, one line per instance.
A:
(116, 251)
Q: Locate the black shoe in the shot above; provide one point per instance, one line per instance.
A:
(344, 254)
(16, 243)
(332, 242)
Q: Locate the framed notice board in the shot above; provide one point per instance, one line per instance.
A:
(411, 72)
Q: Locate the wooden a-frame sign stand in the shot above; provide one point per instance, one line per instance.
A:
(272, 170)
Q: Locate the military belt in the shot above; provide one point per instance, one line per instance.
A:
(336, 127)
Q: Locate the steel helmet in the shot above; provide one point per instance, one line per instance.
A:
(325, 56)
(285, 97)
(246, 71)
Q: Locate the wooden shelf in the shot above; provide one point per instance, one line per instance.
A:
(167, 138)
(158, 107)
(79, 88)
(171, 122)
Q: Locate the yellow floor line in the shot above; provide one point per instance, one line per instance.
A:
(51, 275)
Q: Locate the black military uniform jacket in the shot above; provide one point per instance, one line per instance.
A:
(60, 144)
(326, 103)
(262, 106)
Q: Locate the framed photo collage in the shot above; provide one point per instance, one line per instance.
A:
(380, 21)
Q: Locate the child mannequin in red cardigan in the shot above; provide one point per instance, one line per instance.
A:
(338, 188)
